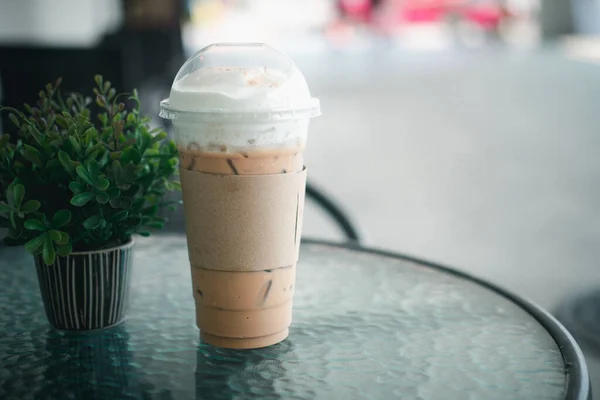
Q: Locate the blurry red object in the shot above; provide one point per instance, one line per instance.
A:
(487, 17)
(425, 14)
(427, 10)
(358, 10)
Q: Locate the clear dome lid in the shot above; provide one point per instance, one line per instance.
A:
(229, 80)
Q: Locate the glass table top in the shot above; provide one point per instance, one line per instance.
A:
(365, 326)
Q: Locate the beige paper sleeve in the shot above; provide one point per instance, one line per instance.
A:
(243, 222)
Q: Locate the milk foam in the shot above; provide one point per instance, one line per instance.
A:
(235, 90)
(241, 135)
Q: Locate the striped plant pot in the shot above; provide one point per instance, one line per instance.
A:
(87, 290)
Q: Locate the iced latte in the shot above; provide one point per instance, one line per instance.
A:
(241, 114)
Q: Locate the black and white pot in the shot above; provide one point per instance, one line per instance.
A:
(87, 290)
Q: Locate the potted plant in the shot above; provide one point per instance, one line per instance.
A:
(76, 188)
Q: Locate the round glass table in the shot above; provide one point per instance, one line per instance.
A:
(367, 325)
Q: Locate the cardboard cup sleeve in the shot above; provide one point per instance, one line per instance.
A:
(243, 222)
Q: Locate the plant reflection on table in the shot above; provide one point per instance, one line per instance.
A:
(93, 364)
(226, 373)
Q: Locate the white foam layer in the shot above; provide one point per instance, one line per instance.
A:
(239, 96)
(238, 135)
(239, 89)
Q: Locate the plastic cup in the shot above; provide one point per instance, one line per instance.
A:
(244, 110)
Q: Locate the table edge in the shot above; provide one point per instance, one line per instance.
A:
(578, 385)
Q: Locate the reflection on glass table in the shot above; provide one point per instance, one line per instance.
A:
(366, 325)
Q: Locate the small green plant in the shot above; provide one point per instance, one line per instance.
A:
(73, 183)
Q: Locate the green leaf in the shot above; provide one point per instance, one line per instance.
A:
(34, 246)
(84, 174)
(92, 222)
(113, 193)
(14, 120)
(146, 139)
(129, 173)
(151, 211)
(175, 185)
(64, 238)
(48, 252)
(93, 155)
(35, 134)
(144, 233)
(32, 154)
(12, 217)
(103, 118)
(35, 225)
(30, 206)
(82, 199)
(65, 249)
(117, 170)
(76, 187)
(53, 164)
(152, 152)
(54, 235)
(104, 159)
(61, 218)
(61, 121)
(58, 237)
(89, 135)
(121, 202)
(18, 194)
(155, 224)
(51, 120)
(131, 154)
(65, 161)
(132, 191)
(120, 216)
(75, 144)
(10, 192)
(102, 184)
(95, 148)
(159, 136)
(94, 169)
(5, 208)
(102, 224)
(102, 198)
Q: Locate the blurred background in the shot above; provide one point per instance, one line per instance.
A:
(460, 131)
